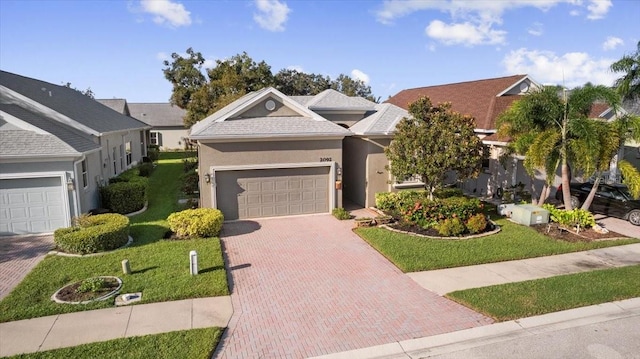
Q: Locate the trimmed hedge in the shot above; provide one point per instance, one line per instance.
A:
(196, 223)
(125, 197)
(102, 232)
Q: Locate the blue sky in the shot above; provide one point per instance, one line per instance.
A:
(117, 47)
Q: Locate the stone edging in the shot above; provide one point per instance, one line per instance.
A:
(496, 230)
(64, 254)
(101, 298)
(146, 204)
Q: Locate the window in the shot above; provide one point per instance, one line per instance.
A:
(156, 138)
(128, 152)
(85, 176)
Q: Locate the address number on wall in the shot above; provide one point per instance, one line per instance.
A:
(326, 159)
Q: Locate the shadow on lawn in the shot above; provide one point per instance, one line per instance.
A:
(146, 233)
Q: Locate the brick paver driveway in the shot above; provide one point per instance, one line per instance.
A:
(307, 286)
(18, 255)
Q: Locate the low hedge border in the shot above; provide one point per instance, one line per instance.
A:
(99, 233)
(65, 254)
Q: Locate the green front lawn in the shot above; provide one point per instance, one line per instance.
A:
(186, 344)
(535, 297)
(160, 268)
(412, 253)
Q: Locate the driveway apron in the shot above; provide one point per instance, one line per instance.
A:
(308, 286)
(18, 255)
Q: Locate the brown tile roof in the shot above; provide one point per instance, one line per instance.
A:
(475, 98)
(597, 109)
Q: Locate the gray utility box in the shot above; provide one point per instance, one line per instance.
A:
(529, 214)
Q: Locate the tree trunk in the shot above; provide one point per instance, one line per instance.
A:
(543, 195)
(592, 193)
(566, 189)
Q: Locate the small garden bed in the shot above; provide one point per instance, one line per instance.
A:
(88, 290)
(433, 233)
(556, 231)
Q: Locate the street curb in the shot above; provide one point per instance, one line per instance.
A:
(494, 333)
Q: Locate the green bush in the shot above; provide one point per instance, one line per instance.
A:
(448, 192)
(102, 232)
(91, 285)
(476, 223)
(400, 201)
(451, 227)
(189, 164)
(196, 223)
(190, 182)
(125, 197)
(113, 180)
(576, 218)
(341, 213)
(429, 213)
(153, 152)
(145, 169)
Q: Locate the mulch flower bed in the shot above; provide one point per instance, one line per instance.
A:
(69, 294)
(588, 235)
(430, 232)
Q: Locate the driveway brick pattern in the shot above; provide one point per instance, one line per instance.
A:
(18, 255)
(308, 286)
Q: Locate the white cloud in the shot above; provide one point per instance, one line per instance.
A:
(272, 14)
(598, 9)
(536, 29)
(571, 69)
(464, 33)
(167, 12)
(611, 43)
(295, 68)
(359, 75)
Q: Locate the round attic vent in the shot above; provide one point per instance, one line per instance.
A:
(524, 87)
(270, 105)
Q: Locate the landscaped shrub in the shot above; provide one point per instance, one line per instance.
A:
(341, 213)
(476, 223)
(451, 227)
(190, 182)
(189, 164)
(398, 201)
(428, 213)
(145, 169)
(196, 223)
(113, 180)
(153, 152)
(125, 197)
(576, 218)
(102, 232)
(448, 192)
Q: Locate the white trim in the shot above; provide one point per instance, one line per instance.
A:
(63, 186)
(332, 176)
(252, 138)
(526, 77)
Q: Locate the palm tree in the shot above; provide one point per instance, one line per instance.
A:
(628, 86)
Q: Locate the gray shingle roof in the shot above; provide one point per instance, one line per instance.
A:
(158, 114)
(23, 143)
(74, 141)
(332, 99)
(70, 103)
(116, 104)
(271, 127)
(381, 122)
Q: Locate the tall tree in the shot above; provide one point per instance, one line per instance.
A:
(353, 87)
(433, 141)
(628, 86)
(185, 73)
(295, 83)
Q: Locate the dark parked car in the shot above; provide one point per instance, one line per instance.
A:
(611, 199)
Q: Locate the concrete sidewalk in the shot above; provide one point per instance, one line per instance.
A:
(67, 330)
(443, 281)
(495, 333)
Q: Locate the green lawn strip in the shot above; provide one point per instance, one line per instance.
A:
(160, 268)
(185, 344)
(413, 253)
(535, 297)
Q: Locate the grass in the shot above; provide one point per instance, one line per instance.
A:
(535, 297)
(160, 268)
(412, 253)
(186, 344)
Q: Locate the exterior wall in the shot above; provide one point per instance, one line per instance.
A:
(89, 196)
(115, 140)
(266, 153)
(342, 119)
(259, 110)
(171, 138)
(378, 178)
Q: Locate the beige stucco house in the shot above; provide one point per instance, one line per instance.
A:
(166, 121)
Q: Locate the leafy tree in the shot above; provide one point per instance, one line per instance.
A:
(628, 86)
(295, 83)
(202, 95)
(88, 92)
(433, 141)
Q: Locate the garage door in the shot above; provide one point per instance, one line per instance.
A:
(272, 192)
(31, 205)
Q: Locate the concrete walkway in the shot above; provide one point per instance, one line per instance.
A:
(68, 330)
(444, 281)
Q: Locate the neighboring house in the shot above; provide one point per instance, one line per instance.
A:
(57, 146)
(484, 100)
(167, 127)
(631, 150)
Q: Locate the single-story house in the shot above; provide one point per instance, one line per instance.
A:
(57, 147)
(167, 127)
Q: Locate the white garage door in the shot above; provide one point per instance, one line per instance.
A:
(272, 192)
(31, 205)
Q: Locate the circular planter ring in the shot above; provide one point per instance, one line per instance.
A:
(484, 234)
(54, 297)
